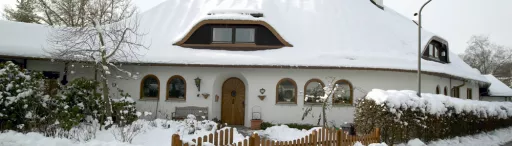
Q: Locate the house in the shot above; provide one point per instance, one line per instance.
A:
(498, 91)
(236, 56)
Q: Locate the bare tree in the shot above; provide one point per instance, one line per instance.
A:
(485, 55)
(106, 40)
(325, 100)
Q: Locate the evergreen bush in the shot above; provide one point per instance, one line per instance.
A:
(124, 110)
(78, 102)
(23, 105)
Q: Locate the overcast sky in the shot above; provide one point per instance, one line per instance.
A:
(454, 20)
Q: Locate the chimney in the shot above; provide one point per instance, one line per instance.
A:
(378, 3)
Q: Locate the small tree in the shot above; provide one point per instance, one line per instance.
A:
(325, 100)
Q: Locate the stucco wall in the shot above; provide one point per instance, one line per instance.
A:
(491, 98)
(255, 79)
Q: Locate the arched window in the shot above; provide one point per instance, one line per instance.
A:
(314, 89)
(438, 91)
(286, 91)
(445, 91)
(176, 88)
(343, 92)
(149, 87)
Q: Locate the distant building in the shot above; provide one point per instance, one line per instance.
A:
(498, 91)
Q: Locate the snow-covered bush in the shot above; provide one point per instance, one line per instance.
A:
(126, 133)
(402, 116)
(191, 126)
(23, 105)
(77, 103)
(124, 111)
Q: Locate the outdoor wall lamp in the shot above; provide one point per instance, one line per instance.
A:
(198, 83)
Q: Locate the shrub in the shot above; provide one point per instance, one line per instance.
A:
(23, 105)
(124, 111)
(402, 116)
(78, 102)
(265, 125)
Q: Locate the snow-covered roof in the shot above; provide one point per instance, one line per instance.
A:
(497, 87)
(328, 33)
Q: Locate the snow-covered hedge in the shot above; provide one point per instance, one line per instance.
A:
(402, 115)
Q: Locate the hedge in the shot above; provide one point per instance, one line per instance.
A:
(402, 116)
(265, 125)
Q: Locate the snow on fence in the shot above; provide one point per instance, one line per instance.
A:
(324, 137)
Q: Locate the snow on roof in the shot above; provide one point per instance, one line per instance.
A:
(497, 87)
(329, 33)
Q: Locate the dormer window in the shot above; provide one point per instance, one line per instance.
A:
(436, 50)
(235, 35)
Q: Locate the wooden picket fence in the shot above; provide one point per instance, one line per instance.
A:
(323, 137)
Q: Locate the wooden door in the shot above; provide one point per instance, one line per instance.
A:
(233, 101)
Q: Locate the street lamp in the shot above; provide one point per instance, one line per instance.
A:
(419, 47)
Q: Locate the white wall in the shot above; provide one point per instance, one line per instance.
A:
(491, 98)
(256, 78)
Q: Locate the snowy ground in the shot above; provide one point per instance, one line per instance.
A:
(155, 134)
(160, 132)
(493, 138)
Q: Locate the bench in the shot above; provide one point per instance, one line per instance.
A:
(181, 113)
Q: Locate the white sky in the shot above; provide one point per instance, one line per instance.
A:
(454, 20)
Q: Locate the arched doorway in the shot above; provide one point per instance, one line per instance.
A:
(233, 102)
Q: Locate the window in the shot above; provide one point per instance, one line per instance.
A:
(222, 35)
(343, 92)
(314, 89)
(241, 35)
(176, 88)
(51, 84)
(436, 51)
(456, 92)
(149, 87)
(445, 91)
(286, 91)
(437, 90)
(469, 93)
(244, 35)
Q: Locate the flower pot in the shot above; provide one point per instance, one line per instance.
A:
(256, 124)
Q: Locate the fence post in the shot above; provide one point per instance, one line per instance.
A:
(231, 136)
(377, 134)
(221, 139)
(174, 139)
(256, 139)
(314, 138)
(338, 137)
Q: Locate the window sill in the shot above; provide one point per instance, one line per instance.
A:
(286, 103)
(434, 59)
(343, 105)
(313, 104)
(148, 99)
(176, 100)
(335, 105)
(230, 46)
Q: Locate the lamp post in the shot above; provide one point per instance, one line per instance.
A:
(419, 47)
